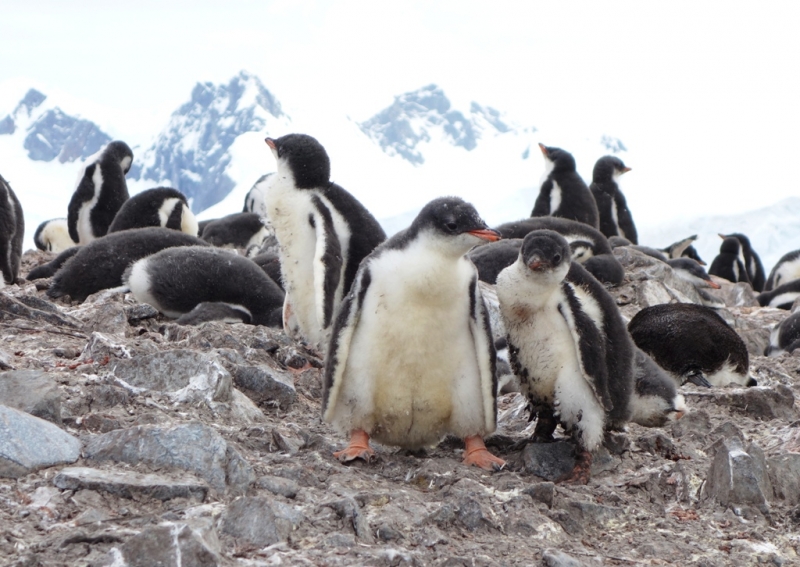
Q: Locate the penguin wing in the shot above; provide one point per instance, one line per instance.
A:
(83, 192)
(327, 262)
(344, 327)
(541, 208)
(485, 353)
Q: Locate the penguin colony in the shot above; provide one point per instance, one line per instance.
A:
(405, 323)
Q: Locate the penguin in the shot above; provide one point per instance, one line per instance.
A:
(49, 269)
(683, 249)
(411, 357)
(655, 400)
(270, 262)
(100, 193)
(176, 280)
(562, 192)
(201, 225)
(782, 297)
(100, 264)
(752, 262)
(239, 230)
(693, 344)
(323, 233)
(785, 337)
(786, 270)
(215, 311)
(567, 343)
(615, 217)
(162, 206)
(620, 241)
(691, 271)
(12, 230)
(53, 236)
(730, 263)
(254, 201)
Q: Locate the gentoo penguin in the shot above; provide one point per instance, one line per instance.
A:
(411, 356)
(100, 264)
(786, 270)
(785, 337)
(567, 343)
(239, 230)
(53, 236)
(729, 263)
(323, 233)
(162, 206)
(615, 217)
(655, 400)
(12, 229)
(691, 271)
(692, 343)
(176, 280)
(100, 193)
(562, 192)
(683, 249)
(752, 262)
(782, 297)
(215, 311)
(255, 200)
(270, 262)
(49, 269)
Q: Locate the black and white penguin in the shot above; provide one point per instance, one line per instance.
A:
(752, 262)
(100, 193)
(12, 230)
(255, 200)
(782, 297)
(239, 230)
(683, 249)
(162, 206)
(567, 343)
(53, 236)
(411, 357)
(729, 264)
(691, 271)
(785, 337)
(323, 233)
(655, 401)
(693, 344)
(562, 192)
(615, 217)
(786, 270)
(100, 264)
(49, 269)
(176, 280)
(215, 311)
(270, 262)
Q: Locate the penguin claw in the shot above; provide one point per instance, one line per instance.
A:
(358, 448)
(477, 454)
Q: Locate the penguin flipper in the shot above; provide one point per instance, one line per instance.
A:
(328, 261)
(485, 352)
(83, 192)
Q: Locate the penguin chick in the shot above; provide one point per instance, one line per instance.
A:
(239, 230)
(752, 262)
(562, 192)
(782, 297)
(161, 206)
(12, 230)
(785, 337)
(729, 263)
(255, 200)
(655, 400)
(689, 270)
(53, 236)
(615, 217)
(786, 270)
(567, 343)
(411, 356)
(100, 193)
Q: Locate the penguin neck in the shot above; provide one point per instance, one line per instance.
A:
(517, 284)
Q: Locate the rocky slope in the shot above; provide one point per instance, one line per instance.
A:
(154, 443)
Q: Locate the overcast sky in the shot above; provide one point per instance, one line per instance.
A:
(706, 92)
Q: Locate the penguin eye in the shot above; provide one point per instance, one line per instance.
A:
(451, 226)
(556, 258)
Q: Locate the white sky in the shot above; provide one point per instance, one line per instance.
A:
(706, 94)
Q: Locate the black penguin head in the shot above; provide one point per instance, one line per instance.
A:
(691, 271)
(561, 160)
(545, 251)
(730, 245)
(607, 169)
(305, 157)
(118, 152)
(743, 240)
(454, 222)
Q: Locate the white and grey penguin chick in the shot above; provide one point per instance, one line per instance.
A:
(100, 193)
(160, 206)
(12, 229)
(411, 357)
(323, 234)
(787, 269)
(567, 343)
(655, 401)
(53, 236)
(785, 337)
(256, 199)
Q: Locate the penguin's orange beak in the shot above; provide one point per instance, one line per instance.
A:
(713, 284)
(626, 169)
(270, 142)
(486, 234)
(543, 148)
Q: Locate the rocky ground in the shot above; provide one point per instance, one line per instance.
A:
(126, 439)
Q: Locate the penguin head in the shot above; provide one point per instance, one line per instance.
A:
(656, 399)
(53, 236)
(607, 169)
(581, 250)
(545, 254)
(304, 157)
(557, 159)
(454, 224)
(730, 245)
(689, 270)
(118, 152)
(743, 240)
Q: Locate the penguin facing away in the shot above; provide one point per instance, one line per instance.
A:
(161, 206)
(323, 233)
(255, 200)
(100, 193)
(562, 192)
(786, 270)
(411, 356)
(567, 343)
(615, 217)
(12, 230)
(53, 236)
(751, 260)
(785, 337)
(729, 264)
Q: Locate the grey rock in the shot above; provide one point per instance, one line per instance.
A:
(762, 402)
(109, 318)
(100, 346)
(187, 376)
(266, 384)
(28, 443)
(169, 545)
(739, 294)
(550, 461)
(192, 447)
(738, 476)
(33, 392)
(784, 475)
(695, 424)
(128, 484)
(556, 558)
(575, 516)
(469, 513)
(277, 485)
(542, 492)
(252, 520)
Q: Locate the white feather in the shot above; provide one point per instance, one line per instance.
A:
(555, 197)
(85, 232)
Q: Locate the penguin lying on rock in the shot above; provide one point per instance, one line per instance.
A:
(786, 270)
(161, 206)
(53, 236)
(785, 337)
(782, 297)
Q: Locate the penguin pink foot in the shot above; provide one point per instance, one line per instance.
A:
(476, 453)
(358, 448)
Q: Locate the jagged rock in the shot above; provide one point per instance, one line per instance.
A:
(168, 545)
(253, 520)
(739, 476)
(761, 402)
(28, 443)
(550, 461)
(754, 324)
(542, 492)
(576, 516)
(265, 385)
(192, 447)
(694, 424)
(33, 392)
(277, 485)
(739, 294)
(784, 474)
(239, 408)
(130, 484)
(187, 376)
(556, 558)
(101, 347)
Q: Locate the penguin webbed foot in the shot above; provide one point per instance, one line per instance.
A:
(476, 453)
(582, 471)
(357, 448)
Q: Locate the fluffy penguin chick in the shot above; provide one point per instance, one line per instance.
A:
(786, 270)
(12, 229)
(411, 356)
(785, 337)
(655, 400)
(615, 217)
(255, 200)
(161, 206)
(53, 236)
(562, 192)
(239, 230)
(567, 343)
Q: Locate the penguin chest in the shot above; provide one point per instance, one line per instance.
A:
(86, 229)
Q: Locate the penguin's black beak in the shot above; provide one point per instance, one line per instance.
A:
(486, 234)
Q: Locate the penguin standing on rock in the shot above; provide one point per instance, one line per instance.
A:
(615, 217)
(162, 206)
(562, 192)
(752, 262)
(411, 356)
(323, 234)
(12, 229)
(729, 264)
(100, 193)
(568, 345)
(53, 236)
